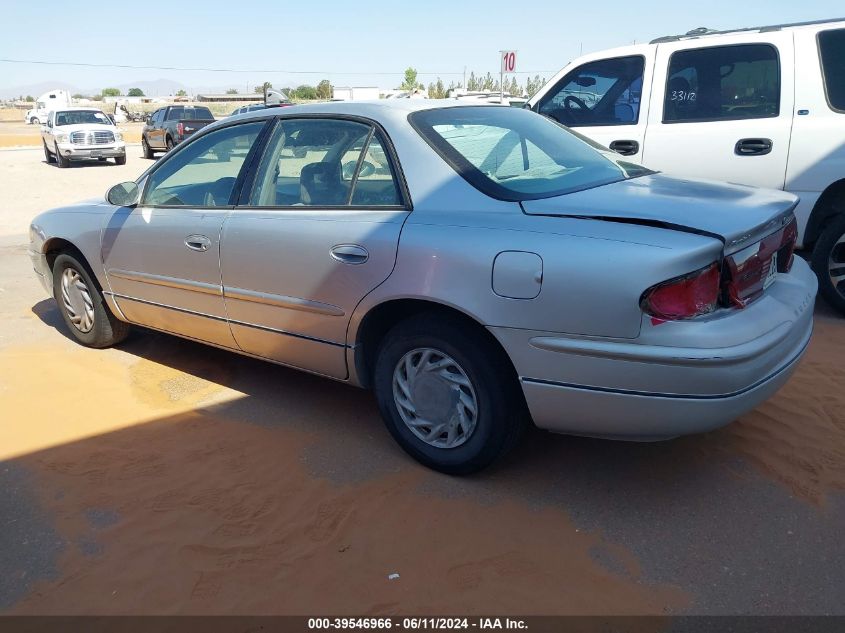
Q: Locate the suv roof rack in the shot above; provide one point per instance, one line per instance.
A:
(762, 29)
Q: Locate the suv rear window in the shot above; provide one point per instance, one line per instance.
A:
(723, 83)
(515, 154)
(832, 53)
(189, 113)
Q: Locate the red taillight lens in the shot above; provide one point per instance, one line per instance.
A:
(180, 129)
(684, 297)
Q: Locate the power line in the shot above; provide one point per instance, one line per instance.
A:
(241, 70)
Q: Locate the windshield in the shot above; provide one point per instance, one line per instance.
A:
(75, 117)
(515, 154)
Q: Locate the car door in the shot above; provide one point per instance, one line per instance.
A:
(317, 231)
(604, 99)
(723, 111)
(162, 256)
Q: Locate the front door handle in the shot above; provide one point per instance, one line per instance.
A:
(753, 146)
(197, 243)
(349, 254)
(626, 148)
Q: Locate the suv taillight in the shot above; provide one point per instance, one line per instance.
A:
(684, 297)
(180, 129)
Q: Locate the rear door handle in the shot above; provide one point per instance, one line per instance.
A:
(626, 148)
(753, 146)
(197, 243)
(349, 254)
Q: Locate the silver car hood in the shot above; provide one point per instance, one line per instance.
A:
(735, 214)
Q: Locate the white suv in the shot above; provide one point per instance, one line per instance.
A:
(762, 106)
(79, 133)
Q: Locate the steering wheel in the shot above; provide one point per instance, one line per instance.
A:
(570, 99)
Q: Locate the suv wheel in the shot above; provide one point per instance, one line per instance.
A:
(148, 153)
(829, 263)
(445, 396)
(169, 144)
(35, 121)
(82, 306)
(61, 161)
(47, 155)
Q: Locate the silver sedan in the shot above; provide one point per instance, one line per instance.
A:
(477, 267)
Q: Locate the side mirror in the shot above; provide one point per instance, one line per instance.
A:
(49, 123)
(125, 194)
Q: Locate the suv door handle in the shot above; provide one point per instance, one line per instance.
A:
(626, 148)
(753, 146)
(197, 243)
(349, 254)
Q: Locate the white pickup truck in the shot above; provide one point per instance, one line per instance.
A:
(80, 133)
(759, 106)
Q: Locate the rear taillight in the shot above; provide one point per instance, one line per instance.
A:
(749, 272)
(180, 129)
(684, 297)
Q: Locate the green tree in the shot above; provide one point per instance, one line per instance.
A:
(306, 92)
(533, 85)
(260, 87)
(472, 83)
(111, 92)
(324, 89)
(514, 88)
(232, 91)
(181, 93)
(78, 96)
(29, 99)
(437, 90)
(135, 92)
(410, 82)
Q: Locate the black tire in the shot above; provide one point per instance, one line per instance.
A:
(48, 156)
(830, 251)
(35, 121)
(148, 152)
(107, 330)
(169, 144)
(61, 161)
(501, 416)
(120, 160)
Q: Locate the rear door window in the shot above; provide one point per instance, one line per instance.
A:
(604, 92)
(723, 83)
(832, 54)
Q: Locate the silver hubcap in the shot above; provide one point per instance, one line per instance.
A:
(77, 300)
(435, 398)
(836, 265)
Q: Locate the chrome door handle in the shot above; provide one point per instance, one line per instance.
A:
(349, 254)
(197, 243)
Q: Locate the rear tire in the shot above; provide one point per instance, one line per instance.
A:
(120, 160)
(61, 161)
(169, 144)
(828, 262)
(148, 153)
(431, 372)
(82, 306)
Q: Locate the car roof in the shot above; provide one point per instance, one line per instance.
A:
(705, 32)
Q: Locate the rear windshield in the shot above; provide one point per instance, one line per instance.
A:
(832, 53)
(514, 154)
(189, 113)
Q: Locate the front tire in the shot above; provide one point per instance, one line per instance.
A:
(61, 161)
(148, 153)
(828, 261)
(48, 156)
(447, 397)
(120, 160)
(169, 144)
(82, 306)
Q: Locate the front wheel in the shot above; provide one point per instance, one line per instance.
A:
(48, 156)
(120, 160)
(148, 153)
(169, 144)
(828, 262)
(82, 305)
(447, 397)
(61, 161)
(35, 121)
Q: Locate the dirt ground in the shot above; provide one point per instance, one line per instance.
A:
(19, 134)
(165, 477)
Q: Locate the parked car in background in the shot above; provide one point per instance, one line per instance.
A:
(762, 106)
(169, 126)
(248, 108)
(72, 134)
(471, 264)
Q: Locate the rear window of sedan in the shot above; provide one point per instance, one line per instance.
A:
(513, 154)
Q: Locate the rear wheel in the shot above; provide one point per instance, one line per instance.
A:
(446, 397)
(169, 144)
(148, 153)
(35, 121)
(82, 305)
(61, 161)
(829, 263)
(48, 156)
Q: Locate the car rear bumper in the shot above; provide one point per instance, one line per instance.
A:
(676, 378)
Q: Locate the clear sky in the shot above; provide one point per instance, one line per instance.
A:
(374, 39)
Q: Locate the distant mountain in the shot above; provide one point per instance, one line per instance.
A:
(157, 88)
(36, 90)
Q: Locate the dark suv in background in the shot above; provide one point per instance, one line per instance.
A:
(169, 126)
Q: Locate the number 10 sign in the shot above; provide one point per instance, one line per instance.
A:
(508, 61)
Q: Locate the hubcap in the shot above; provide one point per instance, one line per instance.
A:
(77, 301)
(435, 398)
(836, 265)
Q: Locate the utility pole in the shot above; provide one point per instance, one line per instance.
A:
(464, 85)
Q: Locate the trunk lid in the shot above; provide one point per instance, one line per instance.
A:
(737, 215)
